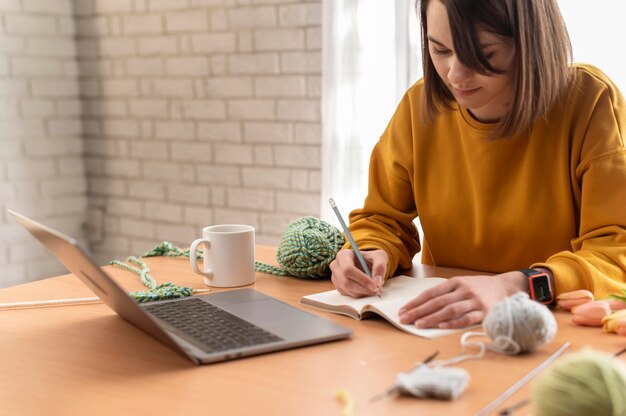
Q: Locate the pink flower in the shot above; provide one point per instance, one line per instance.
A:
(569, 300)
(590, 313)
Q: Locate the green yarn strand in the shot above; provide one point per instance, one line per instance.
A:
(307, 247)
(164, 291)
(167, 249)
(146, 279)
(269, 269)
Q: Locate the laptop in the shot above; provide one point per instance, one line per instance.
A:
(207, 329)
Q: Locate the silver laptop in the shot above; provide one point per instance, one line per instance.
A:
(208, 328)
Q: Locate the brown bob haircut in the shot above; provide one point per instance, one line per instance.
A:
(542, 55)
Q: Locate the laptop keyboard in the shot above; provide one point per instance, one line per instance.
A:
(209, 327)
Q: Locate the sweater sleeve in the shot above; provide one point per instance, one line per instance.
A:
(386, 219)
(597, 260)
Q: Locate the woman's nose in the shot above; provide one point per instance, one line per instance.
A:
(458, 72)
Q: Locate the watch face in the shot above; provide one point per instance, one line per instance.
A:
(541, 289)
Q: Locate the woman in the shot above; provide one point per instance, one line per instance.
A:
(512, 158)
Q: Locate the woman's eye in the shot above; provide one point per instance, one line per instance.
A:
(440, 51)
(490, 55)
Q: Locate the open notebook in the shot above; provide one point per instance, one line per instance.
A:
(396, 292)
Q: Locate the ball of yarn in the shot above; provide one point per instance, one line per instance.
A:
(584, 383)
(307, 247)
(518, 324)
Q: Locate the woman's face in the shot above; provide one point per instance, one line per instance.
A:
(487, 97)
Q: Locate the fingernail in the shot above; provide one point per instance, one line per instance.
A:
(379, 280)
(444, 325)
(419, 324)
(402, 318)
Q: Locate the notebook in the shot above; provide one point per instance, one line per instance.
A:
(206, 329)
(396, 293)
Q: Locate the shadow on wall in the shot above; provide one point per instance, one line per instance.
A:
(42, 172)
(130, 123)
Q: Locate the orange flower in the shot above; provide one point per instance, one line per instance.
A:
(615, 322)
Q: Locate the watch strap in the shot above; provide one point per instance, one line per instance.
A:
(530, 272)
(532, 289)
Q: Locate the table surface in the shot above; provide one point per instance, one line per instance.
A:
(87, 360)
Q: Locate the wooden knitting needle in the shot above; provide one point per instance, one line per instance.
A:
(62, 302)
(47, 303)
(521, 382)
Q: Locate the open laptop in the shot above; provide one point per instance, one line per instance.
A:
(209, 328)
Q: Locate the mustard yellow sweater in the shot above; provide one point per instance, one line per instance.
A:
(554, 197)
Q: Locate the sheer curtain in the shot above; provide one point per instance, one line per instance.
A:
(370, 57)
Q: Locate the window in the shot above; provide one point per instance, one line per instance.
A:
(370, 58)
(371, 55)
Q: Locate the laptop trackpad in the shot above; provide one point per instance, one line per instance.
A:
(267, 313)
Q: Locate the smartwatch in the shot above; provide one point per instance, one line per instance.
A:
(541, 286)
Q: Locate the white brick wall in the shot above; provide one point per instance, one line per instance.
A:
(200, 112)
(42, 170)
(149, 119)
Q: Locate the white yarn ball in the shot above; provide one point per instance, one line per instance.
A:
(518, 324)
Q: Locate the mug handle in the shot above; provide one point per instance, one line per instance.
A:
(193, 257)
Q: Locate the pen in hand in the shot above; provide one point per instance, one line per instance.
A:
(355, 248)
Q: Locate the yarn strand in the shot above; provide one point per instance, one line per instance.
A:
(156, 292)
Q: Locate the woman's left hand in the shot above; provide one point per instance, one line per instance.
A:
(461, 301)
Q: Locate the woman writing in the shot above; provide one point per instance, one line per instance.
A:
(512, 158)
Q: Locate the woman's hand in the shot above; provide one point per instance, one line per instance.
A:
(350, 280)
(461, 301)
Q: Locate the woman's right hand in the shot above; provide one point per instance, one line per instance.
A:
(350, 280)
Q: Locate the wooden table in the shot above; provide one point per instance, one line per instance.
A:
(87, 360)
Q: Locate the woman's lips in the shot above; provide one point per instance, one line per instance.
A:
(465, 92)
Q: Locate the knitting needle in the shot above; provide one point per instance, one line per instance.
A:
(509, 410)
(46, 303)
(63, 302)
(394, 389)
(355, 248)
(521, 382)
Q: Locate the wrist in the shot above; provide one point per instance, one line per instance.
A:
(540, 282)
(518, 283)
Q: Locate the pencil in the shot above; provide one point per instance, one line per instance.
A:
(357, 252)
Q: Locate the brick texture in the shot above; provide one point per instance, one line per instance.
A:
(42, 170)
(138, 121)
(203, 112)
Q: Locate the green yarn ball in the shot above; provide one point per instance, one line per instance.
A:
(307, 247)
(583, 384)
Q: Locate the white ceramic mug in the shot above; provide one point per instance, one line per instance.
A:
(228, 255)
